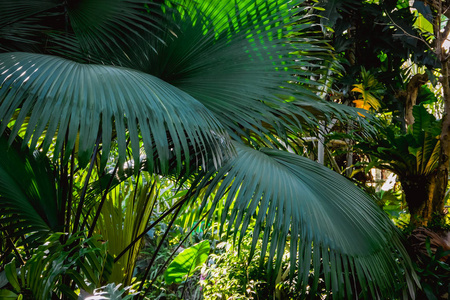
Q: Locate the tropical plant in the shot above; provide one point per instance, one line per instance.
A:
(412, 156)
(200, 91)
(230, 274)
(370, 89)
(42, 276)
(432, 258)
(403, 44)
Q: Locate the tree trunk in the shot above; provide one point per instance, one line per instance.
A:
(412, 91)
(419, 191)
(441, 177)
(425, 195)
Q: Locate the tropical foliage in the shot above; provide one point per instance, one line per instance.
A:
(101, 101)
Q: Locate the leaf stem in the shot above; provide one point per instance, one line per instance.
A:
(86, 182)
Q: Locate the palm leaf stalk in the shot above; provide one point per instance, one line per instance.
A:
(197, 88)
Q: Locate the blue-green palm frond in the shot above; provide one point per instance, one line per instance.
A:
(332, 225)
(90, 30)
(63, 99)
(101, 26)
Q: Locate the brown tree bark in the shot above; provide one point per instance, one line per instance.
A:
(419, 192)
(412, 91)
(441, 178)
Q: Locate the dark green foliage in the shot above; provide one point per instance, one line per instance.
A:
(415, 153)
(29, 202)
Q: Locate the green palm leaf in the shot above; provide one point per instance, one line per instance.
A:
(85, 101)
(28, 195)
(236, 60)
(22, 23)
(124, 216)
(331, 223)
(102, 25)
(87, 28)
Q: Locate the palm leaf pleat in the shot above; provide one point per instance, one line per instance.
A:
(237, 61)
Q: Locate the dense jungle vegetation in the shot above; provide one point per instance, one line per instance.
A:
(184, 149)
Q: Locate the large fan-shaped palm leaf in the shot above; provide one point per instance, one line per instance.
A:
(81, 28)
(331, 224)
(238, 60)
(85, 101)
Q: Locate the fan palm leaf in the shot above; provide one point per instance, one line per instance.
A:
(93, 27)
(85, 101)
(214, 69)
(331, 223)
(21, 24)
(237, 60)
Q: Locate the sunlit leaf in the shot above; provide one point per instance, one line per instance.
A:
(186, 262)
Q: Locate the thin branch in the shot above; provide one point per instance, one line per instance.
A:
(177, 205)
(70, 195)
(407, 33)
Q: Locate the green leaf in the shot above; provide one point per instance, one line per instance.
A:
(423, 24)
(99, 25)
(22, 23)
(64, 98)
(82, 29)
(11, 274)
(413, 151)
(186, 262)
(429, 292)
(237, 59)
(27, 189)
(5, 294)
(422, 119)
(125, 215)
(287, 195)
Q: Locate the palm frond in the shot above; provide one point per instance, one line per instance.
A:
(333, 226)
(98, 27)
(235, 59)
(124, 216)
(85, 102)
(28, 194)
(22, 23)
(101, 26)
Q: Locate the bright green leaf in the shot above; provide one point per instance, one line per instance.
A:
(186, 262)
